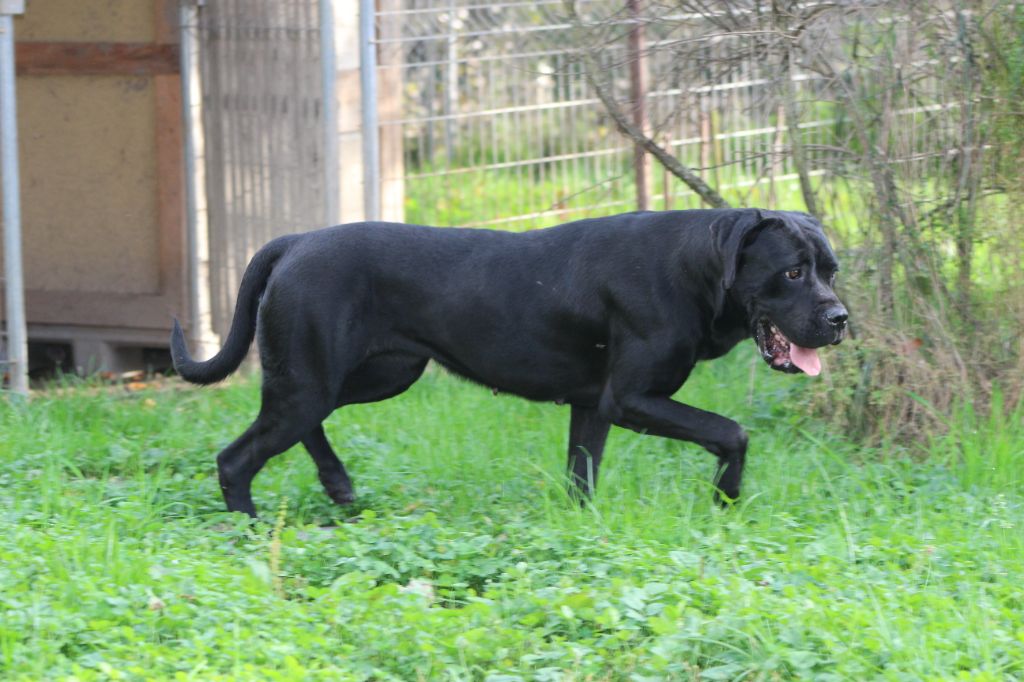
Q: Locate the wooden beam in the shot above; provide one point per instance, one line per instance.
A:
(102, 309)
(170, 164)
(121, 59)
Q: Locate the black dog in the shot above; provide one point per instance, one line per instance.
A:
(609, 315)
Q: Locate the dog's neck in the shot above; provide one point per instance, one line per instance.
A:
(728, 327)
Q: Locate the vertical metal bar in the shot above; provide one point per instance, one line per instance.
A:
(212, 118)
(262, 89)
(187, 14)
(17, 336)
(451, 84)
(196, 216)
(250, 13)
(239, 240)
(279, 109)
(370, 122)
(638, 91)
(288, 116)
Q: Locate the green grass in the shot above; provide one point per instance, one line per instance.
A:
(117, 561)
(559, 195)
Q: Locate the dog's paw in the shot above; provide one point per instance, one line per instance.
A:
(342, 496)
(724, 499)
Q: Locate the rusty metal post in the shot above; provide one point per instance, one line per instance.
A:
(638, 92)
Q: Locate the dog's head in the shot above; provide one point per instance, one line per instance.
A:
(779, 266)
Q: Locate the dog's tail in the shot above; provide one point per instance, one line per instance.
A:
(243, 325)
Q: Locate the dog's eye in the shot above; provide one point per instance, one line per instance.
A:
(795, 273)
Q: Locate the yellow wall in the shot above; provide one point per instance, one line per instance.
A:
(87, 20)
(88, 157)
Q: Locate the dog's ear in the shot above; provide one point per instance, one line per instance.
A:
(730, 234)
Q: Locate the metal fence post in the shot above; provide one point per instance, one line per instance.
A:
(638, 91)
(370, 119)
(200, 326)
(328, 74)
(14, 286)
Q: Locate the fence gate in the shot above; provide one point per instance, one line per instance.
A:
(262, 116)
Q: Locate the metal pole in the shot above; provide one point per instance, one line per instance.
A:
(204, 341)
(638, 90)
(328, 75)
(451, 84)
(371, 125)
(14, 286)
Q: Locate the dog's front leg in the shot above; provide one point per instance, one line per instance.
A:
(661, 416)
(588, 431)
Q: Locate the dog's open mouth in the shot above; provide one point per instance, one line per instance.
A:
(782, 354)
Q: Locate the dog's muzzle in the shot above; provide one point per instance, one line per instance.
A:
(785, 356)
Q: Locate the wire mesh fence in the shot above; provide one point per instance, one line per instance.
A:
(497, 123)
(500, 127)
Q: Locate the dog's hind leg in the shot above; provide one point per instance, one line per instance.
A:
(377, 378)
(294, 403)
(329, 468)
(274, 431)
(588, 432)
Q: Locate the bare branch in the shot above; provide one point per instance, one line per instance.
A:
(627, 127)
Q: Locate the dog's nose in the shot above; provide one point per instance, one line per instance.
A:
(837, 316)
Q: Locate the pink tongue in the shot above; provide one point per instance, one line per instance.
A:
(805, 358)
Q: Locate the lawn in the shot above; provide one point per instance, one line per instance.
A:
(465, 560)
